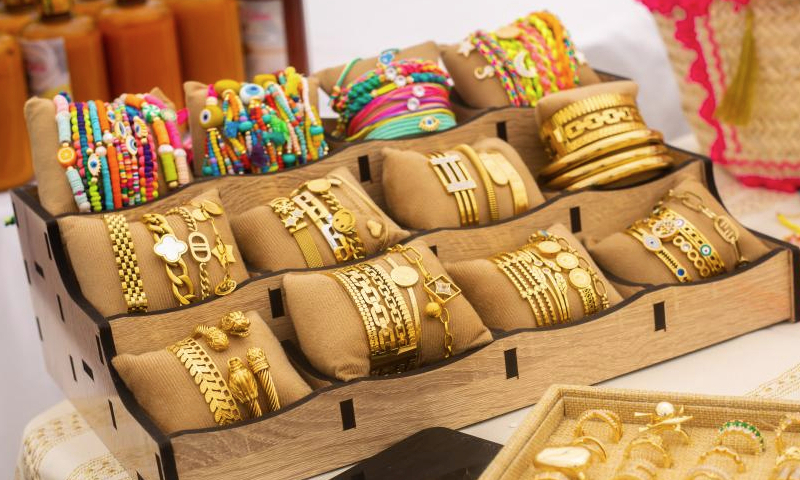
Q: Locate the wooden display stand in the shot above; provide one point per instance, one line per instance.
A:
(340, 423)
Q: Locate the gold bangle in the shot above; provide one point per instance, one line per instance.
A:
(488, 184)
(375, 347)
(170, 249)
(383, 230)
(343, 220)
(639, 467)
(669, 225)
(787, 421)
(457, 181)
(503, 173)
(529, 292)
(642, 165)
(575, 110)
(292, 217)
(724, 451)
(605, 163)
(198, 247)
(406, 277)
(127, 263)
(635, 138)
(257, 361)
(536, 276)
(653, 442)
(653, 244)
(208, 379)
(607, 416)
(593, 445)
(243, 386)
(206, 211)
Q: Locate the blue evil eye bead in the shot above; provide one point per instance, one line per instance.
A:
(130, 144)
(387, 56)
(680, 272)
(211, 117)
(706, 250)
(94, 164)
(429, 124)
(251, 91)
(651, 242)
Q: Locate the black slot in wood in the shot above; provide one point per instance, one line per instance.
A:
(501, 131)
(348, 414)
(39, 328)
(363, 169)
(660, 316)
(39, 269)
(139, 476)
(87, 370)
(72, 366)
(16, 217)
(512, 369)
(99, 350)
(434, 250)
(160, 469)
(60, 308)
(113, 417)
(27, 273)
(276, 302)
(47, 243)
(575, 219)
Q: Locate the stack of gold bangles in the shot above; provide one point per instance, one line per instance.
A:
(315, 202)
(242, 387)
(544, 272)
(598, 141)
(494, 172)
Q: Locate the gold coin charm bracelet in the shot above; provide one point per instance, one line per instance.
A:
(127, 263)
(292, 217)
(208, 379)
(170, 249)
(457, 181)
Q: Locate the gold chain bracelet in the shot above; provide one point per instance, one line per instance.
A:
(532, 292)
(198, 247)
(127, 263)
(170, 249)
(206, 211)
(342, 220)
(376, 229)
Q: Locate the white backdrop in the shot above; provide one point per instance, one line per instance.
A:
(616, 35)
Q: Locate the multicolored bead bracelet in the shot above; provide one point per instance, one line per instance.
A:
(261, 127)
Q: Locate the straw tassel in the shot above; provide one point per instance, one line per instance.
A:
(737, 103)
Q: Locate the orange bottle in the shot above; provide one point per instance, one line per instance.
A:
(17, 14)
(15, 161)
(210, 39)
(91, 8)
(57, 34)
(142, 48)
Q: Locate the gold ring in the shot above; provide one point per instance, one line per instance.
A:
(607, 416)
(726, 452)
(787, 421)
(743, 429)
(653, 442)
(593, 445)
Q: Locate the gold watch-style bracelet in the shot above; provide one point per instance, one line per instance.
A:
(292, 217)
(488, 184)
(503, 173)
(653, 244)
(669, 225)
(171, 249)
(127, 263)
(199, 248)
(208, 379)
(206, 211)
(458, 182)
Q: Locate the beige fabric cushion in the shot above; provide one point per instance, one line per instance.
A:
(164, 388)
(416, 198)
(328, 77)
(55, 193)
(497, 300)
(488, 92)
(88, 245)
(195, 93)
(552, 103)
(267, 245)
(332, 334)
(625, 257)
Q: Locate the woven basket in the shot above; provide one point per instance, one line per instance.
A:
(704, 42)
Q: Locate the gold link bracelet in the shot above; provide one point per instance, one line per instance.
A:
(127, 263)
(170, 249)
(206, 211)
(198, 247)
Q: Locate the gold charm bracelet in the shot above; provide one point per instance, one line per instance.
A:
(207, 210)
(170, 249)
(198, 247)
(292, 217)
(127, 264)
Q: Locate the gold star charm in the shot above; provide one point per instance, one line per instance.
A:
(466, 47)
(225, 256)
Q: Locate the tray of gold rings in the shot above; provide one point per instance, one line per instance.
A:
(587, 433)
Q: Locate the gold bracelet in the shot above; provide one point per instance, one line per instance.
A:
(343, 220)
(669, 225)
(642, 165)
(534, 275)
(292, 217)
(654, 245)
(206, 211)
(406, 277)
(503, 173)
(375, 347)
(127, 263)
(440, 290)
(578, 109)
(457, 181)
(208, 379)
(257, 361)
(488, 185)
(635, 138)
(170, 249)
(553, 280)
(387, 336)
(198, 247)
(377, 230)
(603, 164)
(529, 293)
(341, 246)
(243, 385)
(725, 227)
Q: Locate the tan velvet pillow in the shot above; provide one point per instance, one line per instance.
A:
(329, 76)
(332, 334)
(416, 198)
(89, 247)
(625, 257)
(488, 92)
(55, 193)
(267, 245)
(195, 93)
(167, 391)
(498, 301)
